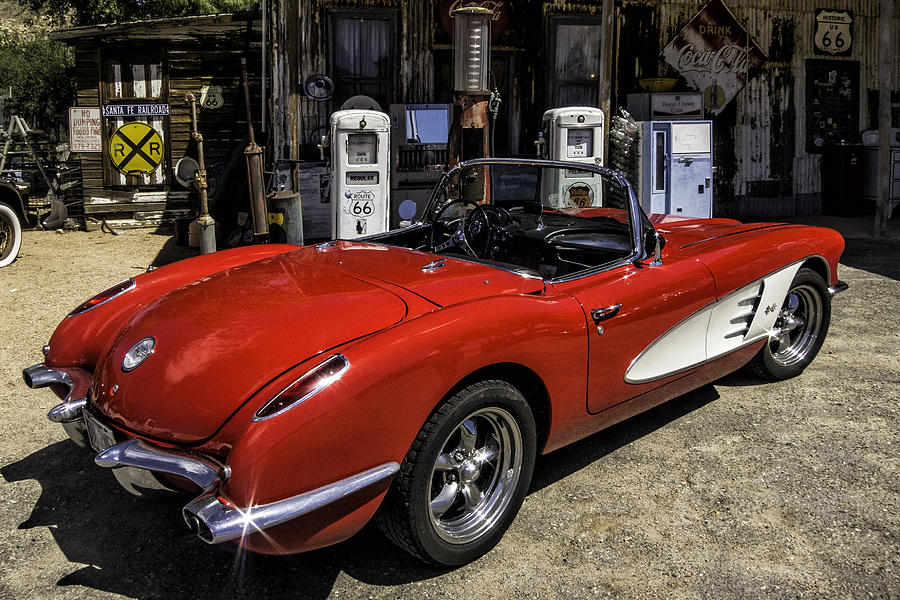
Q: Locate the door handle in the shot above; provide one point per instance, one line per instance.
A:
(602, 314)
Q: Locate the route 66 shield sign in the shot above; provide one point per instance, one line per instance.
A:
(834, 32)
(211, 96)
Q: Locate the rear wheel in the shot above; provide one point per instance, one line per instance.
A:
(10, 235)
(799, 330)
(465, 477)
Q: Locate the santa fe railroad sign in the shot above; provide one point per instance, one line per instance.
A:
(135, 147)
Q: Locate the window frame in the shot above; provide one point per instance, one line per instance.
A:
(377, 14)
(554, 81)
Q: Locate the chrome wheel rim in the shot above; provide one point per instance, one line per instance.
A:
(797, 326)
(475, 475)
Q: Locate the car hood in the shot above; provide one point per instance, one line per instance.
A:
(221, 338)
(684, 233)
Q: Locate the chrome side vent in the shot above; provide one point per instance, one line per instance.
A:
(744, 313)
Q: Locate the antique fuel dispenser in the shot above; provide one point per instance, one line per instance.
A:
(360, 166)
(677, 168)
(574, 134)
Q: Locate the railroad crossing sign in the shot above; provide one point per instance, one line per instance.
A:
(135, 147)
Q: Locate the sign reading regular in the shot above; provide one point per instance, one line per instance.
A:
(714, 54)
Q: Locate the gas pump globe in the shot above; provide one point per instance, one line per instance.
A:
(469, 134)
(471, 49)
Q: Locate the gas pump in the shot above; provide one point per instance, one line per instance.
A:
(360, 166)
(574, 134)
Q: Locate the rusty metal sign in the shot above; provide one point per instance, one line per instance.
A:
(834, 32)
(135, 147)
(714, 54)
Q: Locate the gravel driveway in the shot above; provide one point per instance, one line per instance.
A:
(737, 490)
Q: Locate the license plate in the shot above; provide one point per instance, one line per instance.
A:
(100, 435)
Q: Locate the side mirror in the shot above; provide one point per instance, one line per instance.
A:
(653, 244)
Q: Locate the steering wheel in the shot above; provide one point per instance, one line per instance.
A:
(465, 228)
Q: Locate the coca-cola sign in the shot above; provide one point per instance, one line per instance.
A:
(714, 54)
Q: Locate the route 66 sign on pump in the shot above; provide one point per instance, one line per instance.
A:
(834, 32)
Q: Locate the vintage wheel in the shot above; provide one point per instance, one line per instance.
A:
(465, 477)
(10, 235)
(799, 329)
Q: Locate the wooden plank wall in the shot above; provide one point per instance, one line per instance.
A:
(195, 55)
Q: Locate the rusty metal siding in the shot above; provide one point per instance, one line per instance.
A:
(766, 122)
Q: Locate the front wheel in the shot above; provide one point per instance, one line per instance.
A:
(465, 477)
(799, 329)
(10, 235)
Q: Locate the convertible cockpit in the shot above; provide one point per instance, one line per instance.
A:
(550, 220)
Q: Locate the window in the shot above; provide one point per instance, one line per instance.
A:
(363, 56)
(574, 72)
(135, 76)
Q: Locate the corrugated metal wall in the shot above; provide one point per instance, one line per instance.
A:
(770, 167)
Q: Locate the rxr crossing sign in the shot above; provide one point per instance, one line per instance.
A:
(135, 147)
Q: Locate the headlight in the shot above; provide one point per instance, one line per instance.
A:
(311, 383)
(103, 297)
(138, 354)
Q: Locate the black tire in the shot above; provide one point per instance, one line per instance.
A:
(10, 235)
(465, 476)
(799, 330)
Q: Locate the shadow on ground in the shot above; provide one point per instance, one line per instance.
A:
(143, 550)
(881, 257)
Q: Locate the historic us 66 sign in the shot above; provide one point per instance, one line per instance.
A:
(834, 32)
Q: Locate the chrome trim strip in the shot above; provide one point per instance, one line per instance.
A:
(131, 285)
(214, 521)
(321, 386)
(77, 380)
(203, 471)
(837, 288)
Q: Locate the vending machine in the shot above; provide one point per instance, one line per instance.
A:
(574, 134)
(360, 165)
(677, 168)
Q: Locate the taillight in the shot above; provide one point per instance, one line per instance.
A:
(311, 383)
(103, 297)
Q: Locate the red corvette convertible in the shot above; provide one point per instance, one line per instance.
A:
(297, 392)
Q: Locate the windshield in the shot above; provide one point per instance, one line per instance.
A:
(554, 220)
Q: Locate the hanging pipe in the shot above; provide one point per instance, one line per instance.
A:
(204, 225)
(254, 156)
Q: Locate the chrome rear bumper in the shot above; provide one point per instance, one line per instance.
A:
(208, 516)
(67, 414)
(215, 522)
(212, 519)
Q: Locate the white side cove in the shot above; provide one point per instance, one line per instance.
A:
(742, 317)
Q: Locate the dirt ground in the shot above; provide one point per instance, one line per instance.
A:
(737, 490)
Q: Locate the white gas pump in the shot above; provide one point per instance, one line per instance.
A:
(574, 134)
(360, 166)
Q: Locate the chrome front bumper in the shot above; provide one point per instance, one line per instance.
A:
(207, 515)
(837, 288)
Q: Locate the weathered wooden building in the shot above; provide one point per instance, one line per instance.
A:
(551, 53)
(544, 54)
(138, 75)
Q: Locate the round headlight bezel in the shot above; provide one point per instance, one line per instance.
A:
(138, 353)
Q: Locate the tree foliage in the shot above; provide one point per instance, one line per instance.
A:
(35, 72)
(89, 12)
